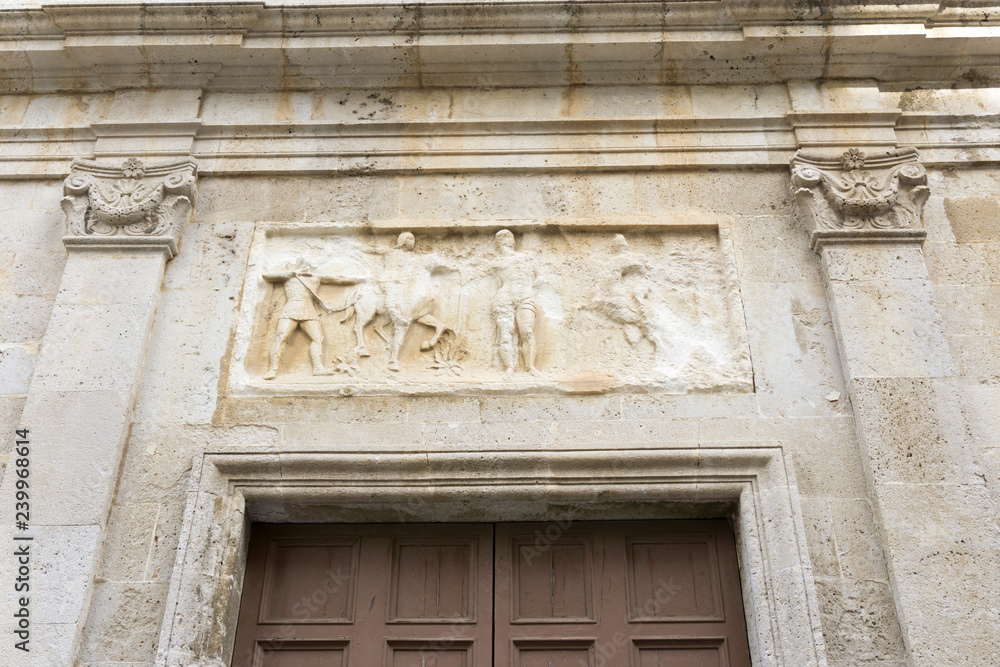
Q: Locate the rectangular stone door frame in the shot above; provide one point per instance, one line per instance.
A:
(754, 486)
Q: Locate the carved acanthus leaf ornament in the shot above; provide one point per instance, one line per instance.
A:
(861, 198)
(132, 205)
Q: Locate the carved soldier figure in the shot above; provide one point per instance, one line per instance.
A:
(514, 304)
(299, 313)
(624, 293)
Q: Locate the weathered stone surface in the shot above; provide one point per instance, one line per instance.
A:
(129, 542)
(112, 338)
(10, 413)
(837, 472)
(943, 548)
(982, 411)
(64, 557)
(17, 363)
(23, 318)
(913, 431)
(770, 249)
(848, 427)
(124, 618)
(894, 330)
(77, 437)
(973, 218)
(158, 461)
(24, 228)
(859, 622)
(819, 524)
(795, 350)
(963, 263)
(859, 547)
(708, 406)
(35, 272)
(181, 349)
(969, 310)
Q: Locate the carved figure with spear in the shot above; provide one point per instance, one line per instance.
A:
(301, 296)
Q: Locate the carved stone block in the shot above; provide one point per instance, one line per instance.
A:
(133, 205)
(456, 311)
(861, 198)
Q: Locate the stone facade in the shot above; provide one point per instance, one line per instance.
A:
(263, 261)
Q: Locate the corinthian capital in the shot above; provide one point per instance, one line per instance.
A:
(861, 198)
(132, 205)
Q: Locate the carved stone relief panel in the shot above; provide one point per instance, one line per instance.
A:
(337, 309)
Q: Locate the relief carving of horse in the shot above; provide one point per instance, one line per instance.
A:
(375, 304)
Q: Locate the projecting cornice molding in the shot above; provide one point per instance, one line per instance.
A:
(96, 19)
(858, 198)
(268, 45)
(132, 206)
(445, 145)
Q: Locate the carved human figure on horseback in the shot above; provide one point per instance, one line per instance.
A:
(401, 295)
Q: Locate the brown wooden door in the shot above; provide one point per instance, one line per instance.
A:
(618, 594)
(366, 596)
(582, 594)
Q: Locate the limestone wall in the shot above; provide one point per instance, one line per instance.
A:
(798, 398)
(688, 307)
(33, 259)
(961, 252)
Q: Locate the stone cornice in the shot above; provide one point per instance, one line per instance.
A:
(132, 206)
(489, 144)
(172, 20)
(859, 198)
(266, 45)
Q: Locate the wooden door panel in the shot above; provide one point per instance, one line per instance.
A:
(673, 578)
(301, 654)
(399, 592)
(552, 585)
(309, 580)
(643, 580)
(434, 580)
(553, 653)
(425, 591)
(681, 653)
(430, 654)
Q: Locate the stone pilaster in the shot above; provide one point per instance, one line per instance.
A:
(864, 216)
(123, 224)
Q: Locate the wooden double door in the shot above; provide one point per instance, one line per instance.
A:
(556, 594)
